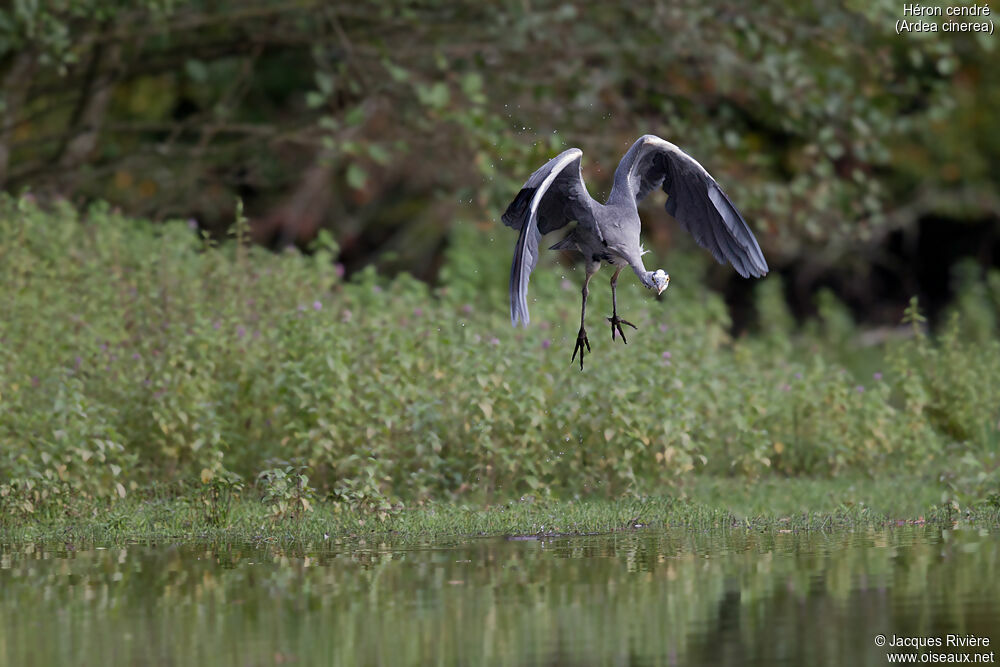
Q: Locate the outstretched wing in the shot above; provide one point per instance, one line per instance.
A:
(552, 197)
(695, 200)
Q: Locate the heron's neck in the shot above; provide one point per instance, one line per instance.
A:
(645, 277)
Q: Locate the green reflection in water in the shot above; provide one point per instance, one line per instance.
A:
(656, 598)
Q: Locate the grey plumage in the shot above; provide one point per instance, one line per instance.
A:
(556, 195)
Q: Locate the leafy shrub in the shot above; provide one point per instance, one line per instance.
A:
(135, 357)
(218, 492)
(286, 491)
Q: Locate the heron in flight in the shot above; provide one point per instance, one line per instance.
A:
(555, 195)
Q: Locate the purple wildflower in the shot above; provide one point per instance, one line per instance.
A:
(317, 305)
(216, 325)
(377, 289)
(346, 315)
(798, 376)
(786, 387)
(418, 312)
(877, 376)
(667, 355)
(192, 223)
(494, 341)
(338, 268)
(860, 389)
(241, 331)
(136, 356)
(546, 344)
(467, 309)
(663, 328)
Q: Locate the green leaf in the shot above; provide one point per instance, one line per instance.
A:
(398, 74)
(314, 99)
(355, 116)
(356, 176)
(378, 153)
(196, 70)
(472, 83)
(435, 96)
(325, 83)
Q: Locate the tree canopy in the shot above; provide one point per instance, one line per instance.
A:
(389, 123)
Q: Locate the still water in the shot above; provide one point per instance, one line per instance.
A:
(637, 598)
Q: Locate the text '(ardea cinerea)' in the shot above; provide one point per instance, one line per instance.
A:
(555, 195)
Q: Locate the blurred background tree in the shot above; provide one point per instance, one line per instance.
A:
(866, 161)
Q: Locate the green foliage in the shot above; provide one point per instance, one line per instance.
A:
(217, 495)
(977, 300)
(286, 492)
(133, 357)
(826, 127)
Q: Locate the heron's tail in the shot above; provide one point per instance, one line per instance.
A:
(568, 243)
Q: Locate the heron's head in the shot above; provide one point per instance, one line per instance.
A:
(660, 280)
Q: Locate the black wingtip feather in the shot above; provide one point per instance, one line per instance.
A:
(742, 248)
(517, 213)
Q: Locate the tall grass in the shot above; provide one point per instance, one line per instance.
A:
(136, 357)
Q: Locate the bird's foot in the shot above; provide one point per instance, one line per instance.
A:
(581, 341)
(616, 325)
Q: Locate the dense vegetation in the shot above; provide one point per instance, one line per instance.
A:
(138, 360)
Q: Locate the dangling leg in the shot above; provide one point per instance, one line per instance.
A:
(581, 337)
(617, 322)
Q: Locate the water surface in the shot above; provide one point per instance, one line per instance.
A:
(636, 598)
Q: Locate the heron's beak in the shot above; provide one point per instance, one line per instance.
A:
(659, 290)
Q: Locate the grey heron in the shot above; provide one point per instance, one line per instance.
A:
(556, 195)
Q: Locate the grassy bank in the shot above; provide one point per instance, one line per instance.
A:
(711, 504)
(138, 360)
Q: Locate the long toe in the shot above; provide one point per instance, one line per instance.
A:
(616, 326)
(581, 342)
